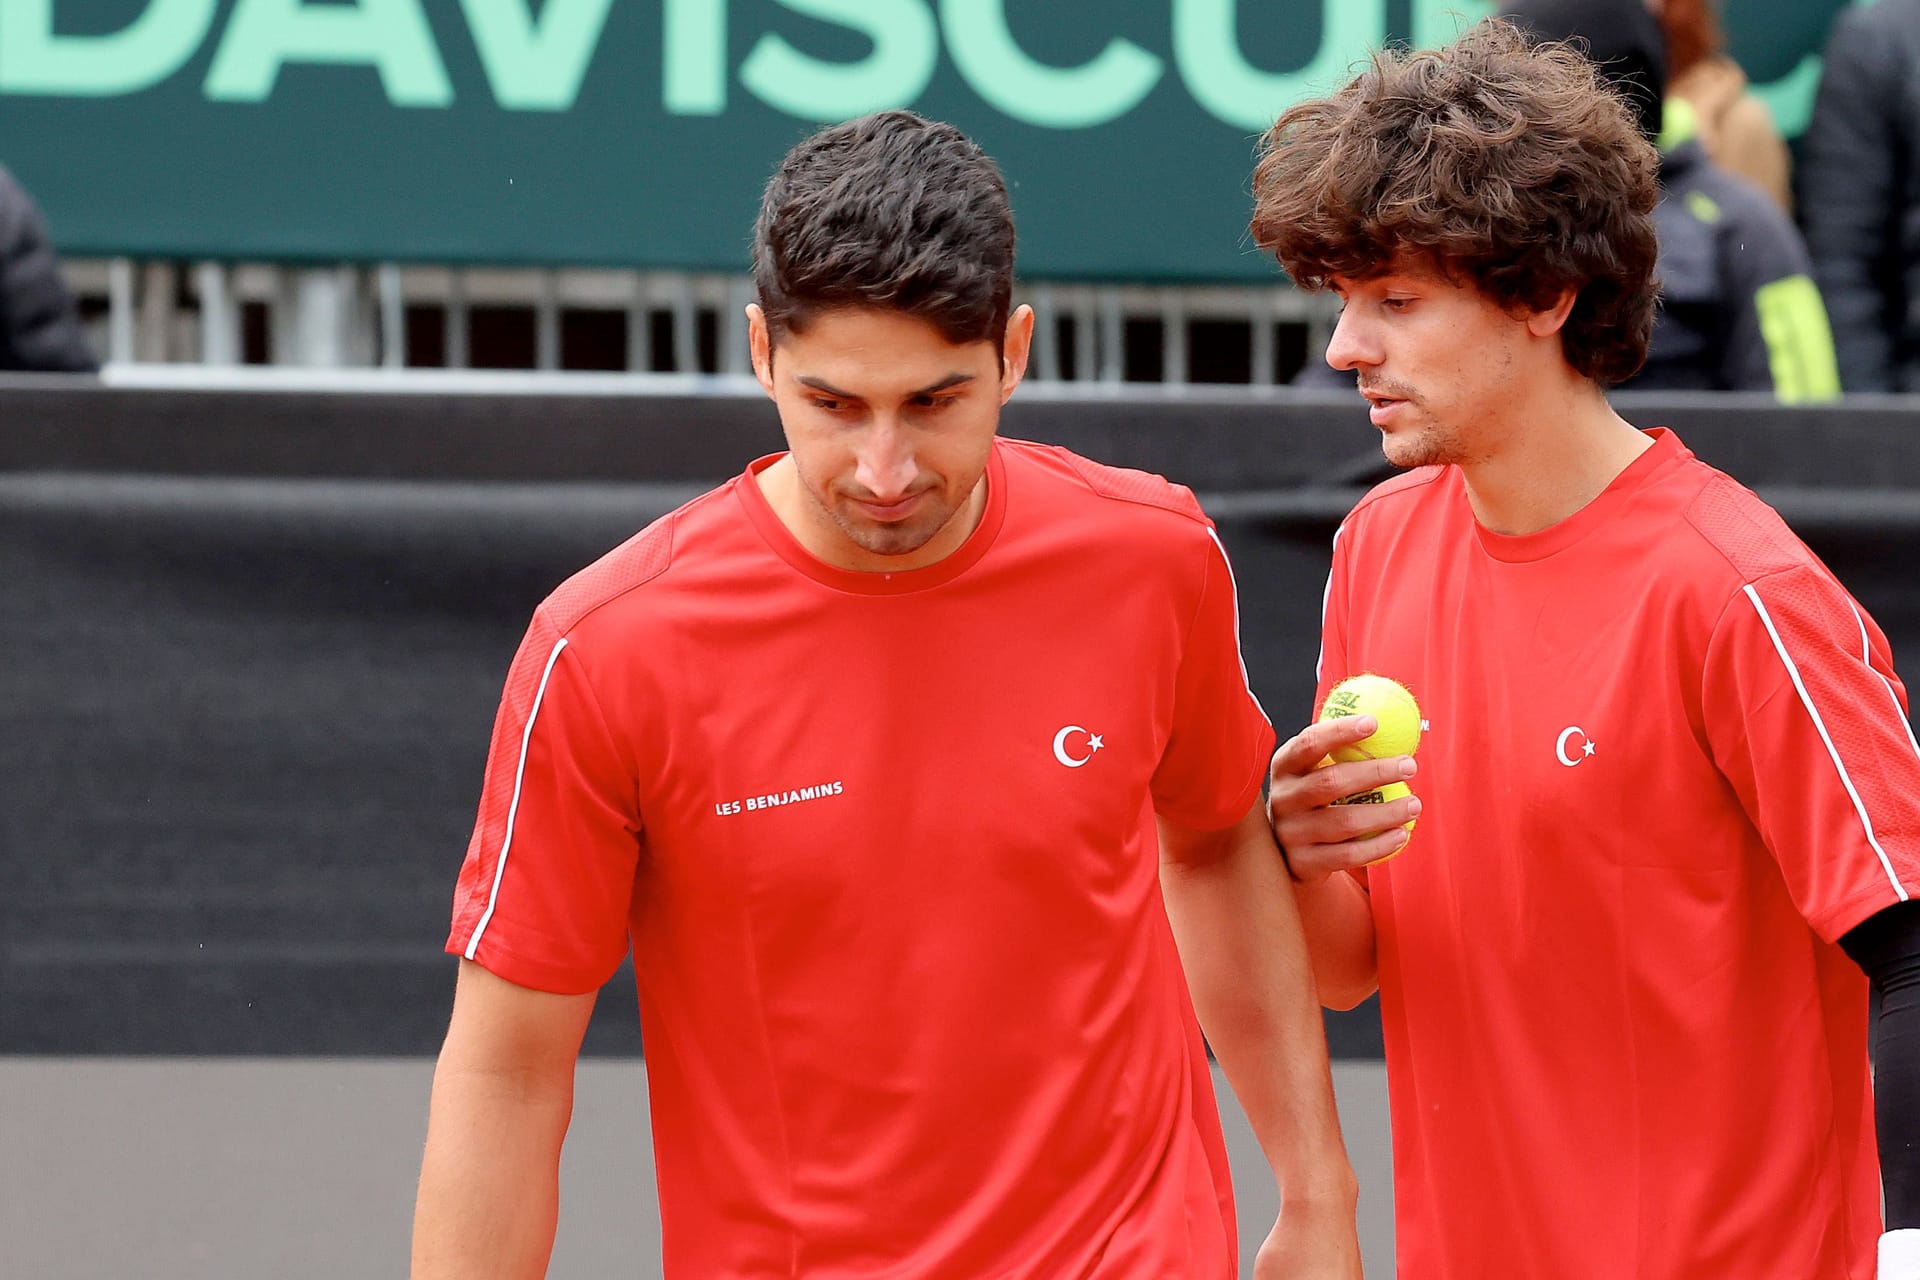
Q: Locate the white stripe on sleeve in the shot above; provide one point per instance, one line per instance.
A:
(1866, 656)
(1326, 602)
(1238, 653)
(513, 809)
(1846, 780)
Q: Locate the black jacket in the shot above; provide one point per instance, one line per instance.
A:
(1859, 199)
(1738, 310)
(39, 329)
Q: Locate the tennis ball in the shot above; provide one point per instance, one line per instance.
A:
(1381, 795)
(1389, 703)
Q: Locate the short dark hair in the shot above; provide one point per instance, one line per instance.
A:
(1502, 161)
(887, 211)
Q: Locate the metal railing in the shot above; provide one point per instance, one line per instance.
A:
(395, 316)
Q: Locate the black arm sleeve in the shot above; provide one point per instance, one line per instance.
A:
(1887, 946)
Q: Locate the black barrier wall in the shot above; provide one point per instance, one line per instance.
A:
(251, 645)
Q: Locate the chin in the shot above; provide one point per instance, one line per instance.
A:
(891, 539)
(1406, 454)
(891, 542)
(1422, 450)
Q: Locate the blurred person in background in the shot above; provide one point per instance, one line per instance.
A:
(39, 328)
(1859, 164)
(1739, 310)
(1708, 99)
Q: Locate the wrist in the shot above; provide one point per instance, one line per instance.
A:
(1900, 1255)
(1327, 1186)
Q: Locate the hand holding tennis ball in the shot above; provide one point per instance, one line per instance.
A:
(1398, 734)
(1391, 706)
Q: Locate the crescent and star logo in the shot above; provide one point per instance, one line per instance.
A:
(1573, 738)
(1061, 739)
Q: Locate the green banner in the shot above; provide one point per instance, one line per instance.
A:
(639, 132)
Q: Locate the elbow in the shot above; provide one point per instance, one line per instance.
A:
(1344, 987)
(1346, 997)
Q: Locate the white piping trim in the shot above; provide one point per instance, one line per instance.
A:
(1326, 603)
(513, 809)
(1806, 699)
(1866, 656)
(1238, 653)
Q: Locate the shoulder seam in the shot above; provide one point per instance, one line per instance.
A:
(1392, 488)
(668, 527)
(1077, 465)
(1744, 574)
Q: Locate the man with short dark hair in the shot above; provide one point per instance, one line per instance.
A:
(883, 759)
(1668, 801)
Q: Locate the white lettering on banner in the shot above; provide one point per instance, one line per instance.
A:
(535, 56)
(392, 36)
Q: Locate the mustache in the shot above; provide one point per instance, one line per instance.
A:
(1386, 387)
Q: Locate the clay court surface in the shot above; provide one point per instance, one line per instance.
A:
(219, 1169)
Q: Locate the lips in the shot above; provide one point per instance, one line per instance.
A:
(889, 512)
(1381, 408)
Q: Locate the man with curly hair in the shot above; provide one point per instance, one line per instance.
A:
(1668, 796)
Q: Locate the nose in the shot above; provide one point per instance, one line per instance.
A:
(886, 466)
(1354, 344)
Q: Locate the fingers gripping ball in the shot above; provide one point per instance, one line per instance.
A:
(1389, 703)
(1398, 734)
(1381, 795)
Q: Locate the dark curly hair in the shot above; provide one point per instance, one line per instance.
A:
(1503, 162)
(888, 211)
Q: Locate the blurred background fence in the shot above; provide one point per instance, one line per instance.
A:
(254, 638)
(459, 183)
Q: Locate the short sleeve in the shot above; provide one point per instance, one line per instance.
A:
(543, 897)
(1334, 665)
(1216, 756)
(1807, 721)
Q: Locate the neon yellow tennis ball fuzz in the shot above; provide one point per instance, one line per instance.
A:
(1381, 795)
(1389, 703)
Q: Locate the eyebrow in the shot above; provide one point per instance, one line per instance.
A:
(827, 388)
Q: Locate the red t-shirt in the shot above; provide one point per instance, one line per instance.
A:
(883, 846)
(1667, 765)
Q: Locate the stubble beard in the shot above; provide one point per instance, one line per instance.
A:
(1426, 443)
(1433, 447)
(899, 538)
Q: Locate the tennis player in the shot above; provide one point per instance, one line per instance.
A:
(881, 760)
(1668, 796)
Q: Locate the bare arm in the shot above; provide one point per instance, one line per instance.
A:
(1324, 842)
(502, 1096)
(1239, 938)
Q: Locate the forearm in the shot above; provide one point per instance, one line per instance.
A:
(1896, 1088)
(1336, 918)
(1887, 947)
(1328, 845)
(1246, 963)
(489, 1193)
